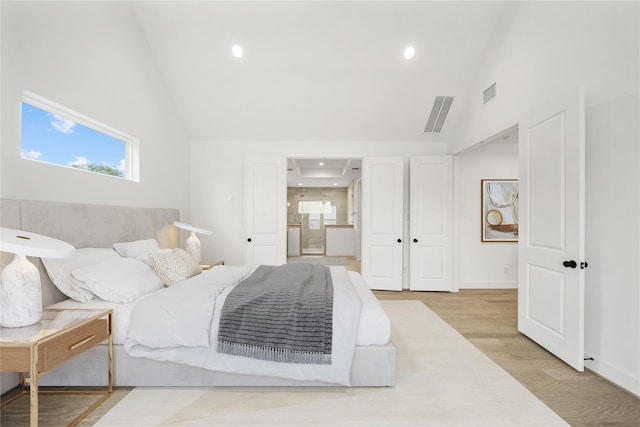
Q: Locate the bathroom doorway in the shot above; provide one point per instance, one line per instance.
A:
(312, 209)
(320, 195)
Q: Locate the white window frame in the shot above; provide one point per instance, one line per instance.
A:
(132, 145)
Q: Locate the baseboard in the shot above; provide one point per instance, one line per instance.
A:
(489, 285)
(615, 376)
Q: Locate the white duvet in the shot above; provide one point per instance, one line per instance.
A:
(180, 324)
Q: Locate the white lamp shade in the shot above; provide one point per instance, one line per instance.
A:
(190, 227)
(32, 244)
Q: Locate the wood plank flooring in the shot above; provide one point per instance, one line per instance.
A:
(488, 318)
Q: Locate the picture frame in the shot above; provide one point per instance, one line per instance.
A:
(499, 210)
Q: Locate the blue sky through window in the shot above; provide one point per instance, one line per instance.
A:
(50, 138)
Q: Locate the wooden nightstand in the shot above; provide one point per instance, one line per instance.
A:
(59, 336)
(210, 266)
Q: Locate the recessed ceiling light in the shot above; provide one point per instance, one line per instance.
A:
(409, 52)
(321, 164)
(335, 184)
(299, 183)
(237, 51)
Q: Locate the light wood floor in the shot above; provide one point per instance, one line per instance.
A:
(487, 318)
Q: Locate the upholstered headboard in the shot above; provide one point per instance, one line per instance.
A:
(84, 225)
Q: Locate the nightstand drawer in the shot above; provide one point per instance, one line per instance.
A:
(72, 343)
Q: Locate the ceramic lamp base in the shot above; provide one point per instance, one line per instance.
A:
(192, 245)
(20, 294)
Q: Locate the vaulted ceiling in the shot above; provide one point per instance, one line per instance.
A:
(317, 71)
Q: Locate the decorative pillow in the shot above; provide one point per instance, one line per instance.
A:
(119, 280)
(59, 270)
(138, 249)
(175, 266)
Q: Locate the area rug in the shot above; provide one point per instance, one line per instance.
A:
(441, 380)
(319, 260)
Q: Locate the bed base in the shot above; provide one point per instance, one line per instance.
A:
(373, 366)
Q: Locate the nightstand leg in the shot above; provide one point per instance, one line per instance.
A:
(110, 345)
(33, 392)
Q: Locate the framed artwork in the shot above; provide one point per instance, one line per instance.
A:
(499, 210)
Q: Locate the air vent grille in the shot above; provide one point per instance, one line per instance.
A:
(489, 93)
(438, 114)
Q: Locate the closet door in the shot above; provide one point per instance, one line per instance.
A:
(431, 224)
(265, 211)
(382, 226)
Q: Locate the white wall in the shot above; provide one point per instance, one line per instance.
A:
(92, 58)
(545, 48)
(612, 311)
(483, 264)
(217, 192)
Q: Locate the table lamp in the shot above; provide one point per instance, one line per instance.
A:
(20, 289)
(192, 245)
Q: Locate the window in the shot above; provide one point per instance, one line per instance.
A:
(54, 134)
(314, 207)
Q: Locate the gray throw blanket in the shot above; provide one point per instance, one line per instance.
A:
(282, 314)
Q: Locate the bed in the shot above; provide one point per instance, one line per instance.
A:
(371, 363)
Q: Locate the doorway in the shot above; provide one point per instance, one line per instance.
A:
(315, 215)
(312, 233)
(321, 201)
(312, 210)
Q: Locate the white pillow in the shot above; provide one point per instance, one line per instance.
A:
(59, 270)
(138, 249)
(119, 280)
(175, 266)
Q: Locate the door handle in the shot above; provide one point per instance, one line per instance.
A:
(415, 240)
(570, 264)
(399, 240)
(249, 239)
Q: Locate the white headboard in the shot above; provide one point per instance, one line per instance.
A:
(84, 225)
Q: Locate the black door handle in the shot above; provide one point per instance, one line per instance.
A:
(570, 264)
(415, 240)
(399, 240)
(249, 239)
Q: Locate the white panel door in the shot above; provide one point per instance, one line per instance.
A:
(382, 226)
(265, 211)
(431, 224)
(551, 228)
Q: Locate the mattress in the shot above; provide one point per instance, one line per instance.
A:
(374, 327)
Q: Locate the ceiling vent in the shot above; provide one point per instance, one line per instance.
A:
(489, 93)
(438, 115)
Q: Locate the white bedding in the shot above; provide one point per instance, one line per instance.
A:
(375, 326)
(141, 342)
(122, 312)
(370, 324)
